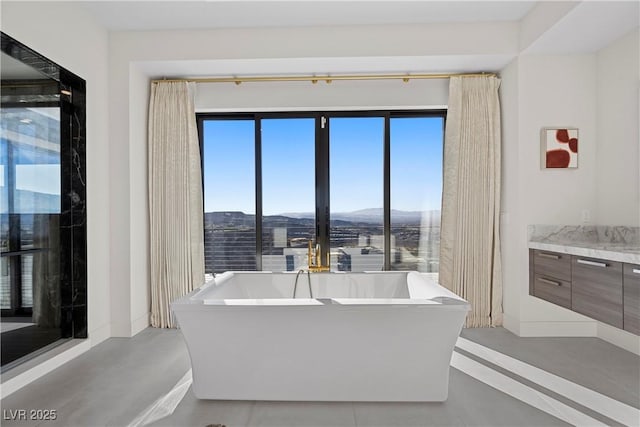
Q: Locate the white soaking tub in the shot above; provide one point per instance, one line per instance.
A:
(383, 336)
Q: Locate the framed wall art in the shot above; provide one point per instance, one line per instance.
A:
(559, 148)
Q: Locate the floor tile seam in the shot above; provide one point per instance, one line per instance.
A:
(522, 364)
(551, 393)
(521, 392)
(607, 405)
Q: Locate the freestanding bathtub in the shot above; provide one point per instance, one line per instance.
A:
(382, 336)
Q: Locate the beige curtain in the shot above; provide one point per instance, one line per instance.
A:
(175, 198)
(470, 240)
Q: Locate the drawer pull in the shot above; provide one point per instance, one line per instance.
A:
(636, 270)
(592, 263)
(550, 256)
(549, 282)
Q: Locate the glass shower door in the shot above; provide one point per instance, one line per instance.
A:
(30, 189)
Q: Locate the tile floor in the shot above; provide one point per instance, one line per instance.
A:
(497, 379)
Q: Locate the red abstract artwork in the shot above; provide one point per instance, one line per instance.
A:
(559, 147)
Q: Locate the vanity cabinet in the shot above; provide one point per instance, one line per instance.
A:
(608, 291)
(551, 279)
(596, 289)
(631, 284)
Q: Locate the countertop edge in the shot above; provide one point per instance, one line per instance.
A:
(587, 252)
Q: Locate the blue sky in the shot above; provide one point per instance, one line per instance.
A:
(356, 164)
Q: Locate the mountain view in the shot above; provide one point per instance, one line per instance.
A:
(230, 239)
(289, 160)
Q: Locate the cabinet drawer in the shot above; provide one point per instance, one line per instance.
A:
(552, 290)
(596, 289)
(552, 264)
(631, 292)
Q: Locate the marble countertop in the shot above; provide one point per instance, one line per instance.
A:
(630, 254)
(620, 244)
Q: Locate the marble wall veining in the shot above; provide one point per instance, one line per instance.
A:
(73, 217)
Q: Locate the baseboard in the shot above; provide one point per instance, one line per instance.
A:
(591, 328)
(511, 324)
(37, 367)
(558, 329)
(619, 338)
(127, 330)
(100, 334)
(140, 324)
(121, 329)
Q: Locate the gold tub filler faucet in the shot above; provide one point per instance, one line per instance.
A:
(315, 259)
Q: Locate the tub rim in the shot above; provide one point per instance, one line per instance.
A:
(416, 282)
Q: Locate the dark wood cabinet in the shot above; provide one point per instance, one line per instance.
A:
(553, 290)
(631, 292)
(607, 291)
(596, 289)
(550, 277)
(552, 264)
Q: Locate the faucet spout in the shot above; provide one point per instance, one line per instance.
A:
(315, 259)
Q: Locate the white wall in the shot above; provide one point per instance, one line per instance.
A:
(68, 36)
(129, 199)
(543, 17)
(598, 94)
(618, 162)
(541, 91)
(510, 209)
(537, 91)
(289, 96)
(557, 90)
(136, 57)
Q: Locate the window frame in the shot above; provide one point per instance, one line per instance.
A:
(322, 178)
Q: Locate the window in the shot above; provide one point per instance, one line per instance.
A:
(365, 185)
(288, 191)
(229, 201)
(356, 188)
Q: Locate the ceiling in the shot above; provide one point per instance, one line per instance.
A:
(212, 14)
(585, 27)
(589, 27)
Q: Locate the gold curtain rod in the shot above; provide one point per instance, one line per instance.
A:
(327, 79)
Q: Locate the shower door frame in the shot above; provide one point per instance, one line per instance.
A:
(73, 209)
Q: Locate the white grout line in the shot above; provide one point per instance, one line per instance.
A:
(521, 392)
(165, 405)
(588, 398)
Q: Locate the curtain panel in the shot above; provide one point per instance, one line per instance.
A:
(175, 198)
(470, 240)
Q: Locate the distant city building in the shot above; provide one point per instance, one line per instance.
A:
(230, 243)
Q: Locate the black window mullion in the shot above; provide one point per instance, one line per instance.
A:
(387, 193)
(15, 262)
(258, 177)
(322, 185)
